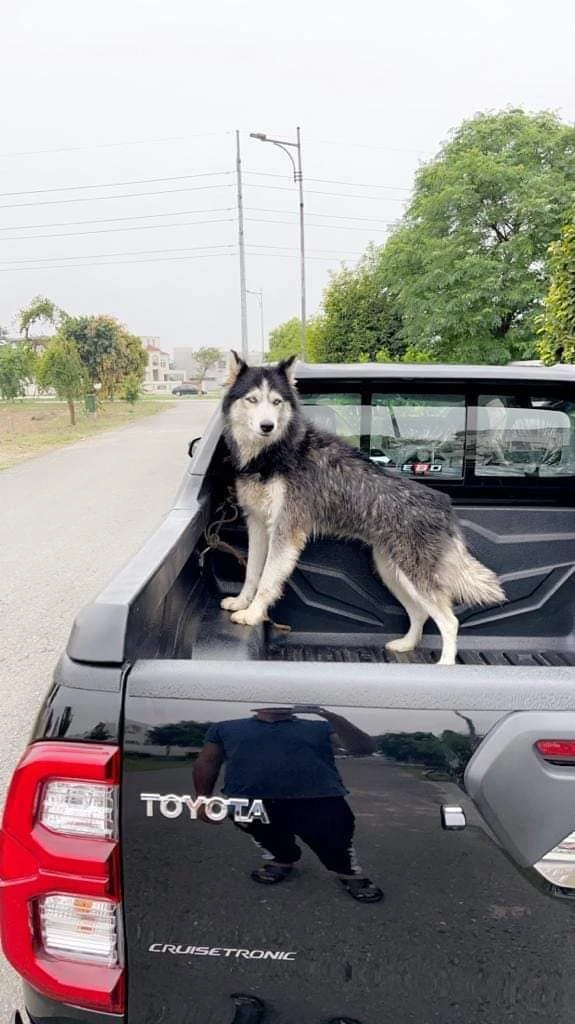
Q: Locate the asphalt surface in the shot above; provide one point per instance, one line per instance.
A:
(68, 521)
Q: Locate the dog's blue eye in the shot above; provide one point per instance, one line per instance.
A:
(251, 398)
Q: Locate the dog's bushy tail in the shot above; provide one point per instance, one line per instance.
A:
(466, 579)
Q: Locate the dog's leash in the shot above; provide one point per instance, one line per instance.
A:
(215, 543)
(212, 532)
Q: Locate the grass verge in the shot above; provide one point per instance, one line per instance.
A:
(32, 426)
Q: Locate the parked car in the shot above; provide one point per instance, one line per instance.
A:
(130, 897)
(187, 389)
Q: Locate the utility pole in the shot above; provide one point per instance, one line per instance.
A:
(298, 178)
(242, 252)
(260, 297)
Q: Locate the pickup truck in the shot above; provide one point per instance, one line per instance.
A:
(132, 894)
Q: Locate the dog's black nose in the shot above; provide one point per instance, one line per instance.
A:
(266, 427)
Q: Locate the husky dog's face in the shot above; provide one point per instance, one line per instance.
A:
(260, 401)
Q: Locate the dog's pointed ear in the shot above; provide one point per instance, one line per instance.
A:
(236, 366)
(286, 366)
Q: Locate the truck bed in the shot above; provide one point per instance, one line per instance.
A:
(326, 651)
(335, 609)
(165, 604)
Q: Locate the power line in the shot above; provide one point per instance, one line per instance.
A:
(166, 259)
(107, 231)
(176, 213)
(332, 195)
(186, 224)
(115, 145)
(127, 195)
(332, 181)
(114, 184)
(286, 256)
(310, 213)
(326, 227)
(112, 255)
(112, 220)
(291, 248)
(120, 263)
(152, 252)
(126, 143)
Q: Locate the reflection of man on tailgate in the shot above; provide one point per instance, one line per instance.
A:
(288, 762)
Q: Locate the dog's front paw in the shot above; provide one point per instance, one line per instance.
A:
(248, 617)
(234, 604)
(400, 646)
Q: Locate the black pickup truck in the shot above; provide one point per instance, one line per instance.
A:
(132, 896)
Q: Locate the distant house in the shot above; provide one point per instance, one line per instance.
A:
(185, 359)
(160, 376)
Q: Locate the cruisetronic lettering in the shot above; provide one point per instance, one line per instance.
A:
(245, 954)
(217, 808)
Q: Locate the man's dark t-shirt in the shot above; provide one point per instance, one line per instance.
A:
(278, 760)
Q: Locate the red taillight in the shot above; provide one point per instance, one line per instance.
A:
(57, 861)
(557, 751)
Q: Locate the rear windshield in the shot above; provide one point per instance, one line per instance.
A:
(454, 436)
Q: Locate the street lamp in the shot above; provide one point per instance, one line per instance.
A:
(260, 297)
(298, 178)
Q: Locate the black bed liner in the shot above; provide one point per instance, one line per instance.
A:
(295, 650)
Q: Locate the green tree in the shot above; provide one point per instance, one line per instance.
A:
(39, 310)
(15, 369)
(204, 359)
(360, 316)
(128, 359)
(60, 367)
(96, 340)
(131, 390)
(557, 324)
(284, 340)
(468, 264)
(178, 734)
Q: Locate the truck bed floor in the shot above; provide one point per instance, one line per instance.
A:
(297, 651)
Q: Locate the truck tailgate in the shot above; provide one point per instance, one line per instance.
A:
(469, 929)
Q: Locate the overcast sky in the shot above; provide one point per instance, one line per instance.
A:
(119, 91)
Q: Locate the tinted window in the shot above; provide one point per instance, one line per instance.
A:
(339, 413)
(525, 436)
(421, 435)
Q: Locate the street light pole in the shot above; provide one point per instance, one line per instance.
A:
(242, 252)
(260, 297)
(298, 178)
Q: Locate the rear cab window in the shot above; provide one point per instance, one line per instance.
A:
(479, 437)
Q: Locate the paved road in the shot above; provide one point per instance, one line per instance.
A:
(68, 520)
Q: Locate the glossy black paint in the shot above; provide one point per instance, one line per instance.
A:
(463, 935)
(83, 703)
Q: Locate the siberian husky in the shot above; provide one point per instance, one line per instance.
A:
(295, 482)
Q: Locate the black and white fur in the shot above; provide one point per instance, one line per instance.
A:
(295, 482)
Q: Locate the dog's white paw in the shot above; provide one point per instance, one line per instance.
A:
(400, 646)
(248, 617)
(233, 604)
(446, 661)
